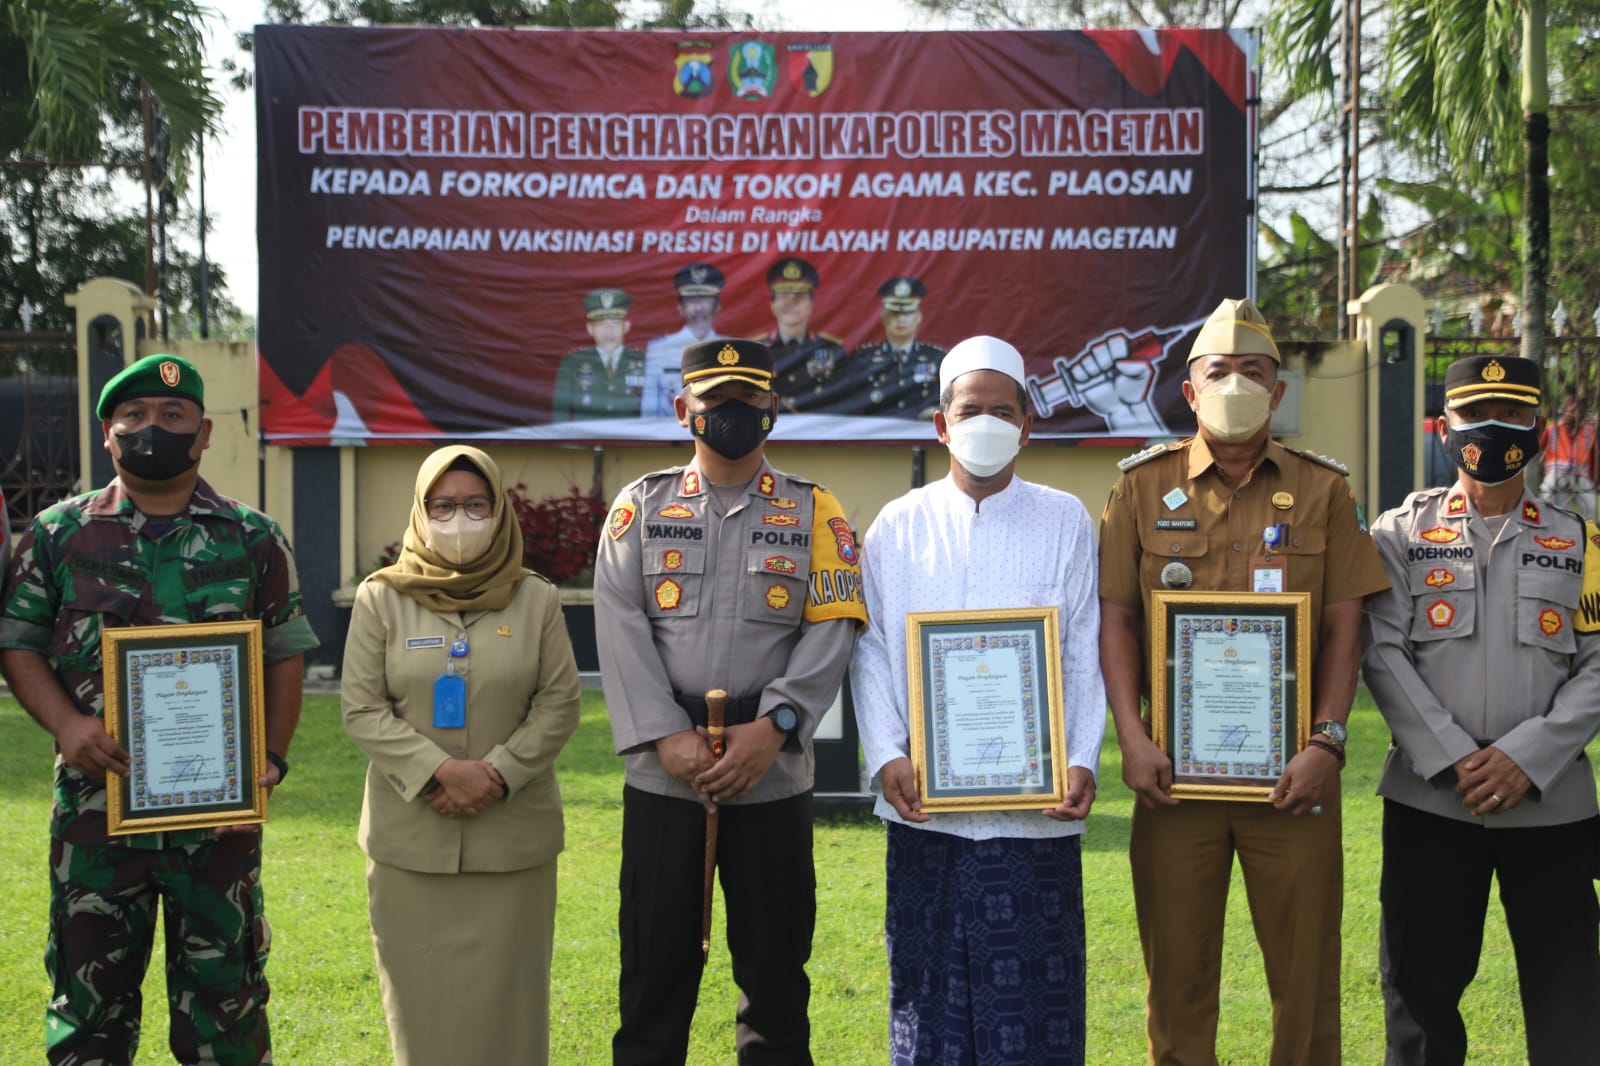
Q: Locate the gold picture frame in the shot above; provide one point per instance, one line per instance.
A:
(987, 728)
(1230, 689)
(186, 702)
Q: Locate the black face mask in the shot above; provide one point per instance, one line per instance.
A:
(733, 428)
(156, 454)
(1491, 452)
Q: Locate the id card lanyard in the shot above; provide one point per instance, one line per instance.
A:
(1266, 573)
(450, 689)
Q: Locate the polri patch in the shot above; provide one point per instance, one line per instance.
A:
(622, 516)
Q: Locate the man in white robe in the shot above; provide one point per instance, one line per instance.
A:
(985, 909)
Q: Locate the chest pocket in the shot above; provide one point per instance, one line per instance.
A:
(99, 597)
(774, 587)
(1305, 556)
(219, 590)
(1545, 601)
(1443, 601)
(674, 578)
(1158, 547)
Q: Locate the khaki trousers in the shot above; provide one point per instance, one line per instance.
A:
(1182, 860)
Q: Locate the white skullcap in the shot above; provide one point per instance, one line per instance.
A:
(980, 353)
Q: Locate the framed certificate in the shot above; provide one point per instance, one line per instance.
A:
(186, 704)
(987, 731)
(1230, 688)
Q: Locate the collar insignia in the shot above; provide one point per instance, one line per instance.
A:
(1530, 511)
(1456, 505)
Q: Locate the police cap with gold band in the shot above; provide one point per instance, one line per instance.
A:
(707, 364)
(161, 376)
(698, 279)
(1236, 327)
(902, 295)
(607, 303)
(792, 275)
(1489, 377)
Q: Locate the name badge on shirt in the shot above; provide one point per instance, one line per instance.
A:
(1266, 576)
(449, 702)
(413, 643)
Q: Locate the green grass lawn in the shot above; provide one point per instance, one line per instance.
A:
(325, 1005)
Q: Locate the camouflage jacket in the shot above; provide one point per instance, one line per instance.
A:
(96, 560)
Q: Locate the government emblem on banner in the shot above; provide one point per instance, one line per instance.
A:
(810, 67)
(752, 69)
(693, 77)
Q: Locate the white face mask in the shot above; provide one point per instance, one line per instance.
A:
(984, 444)
(1234, 408)
(460, 539)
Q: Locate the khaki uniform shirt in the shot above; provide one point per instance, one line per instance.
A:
(1173, 504)
(1481, 641)
(764, 599)
(522, 705)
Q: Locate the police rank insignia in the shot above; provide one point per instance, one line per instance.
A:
(1441, 614)
(1456, 505)
(1530, 511)
(1549, 622)
(1555, 544)
(780, 520)
(752, 69)
(1438, 578)
(668, 594)
(1440, 534)
(783, 503)
(767, 485)
(810, 67)
(778, 564)
(777, 597)
(675, 510)
(691, 484)
(622, 516)
(693, 77)
(672, 559)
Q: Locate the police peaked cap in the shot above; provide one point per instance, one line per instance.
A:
(792, 275)
(1489, 377)
(1236, 327)
(902, 294)
(161, 376)
(707, 364)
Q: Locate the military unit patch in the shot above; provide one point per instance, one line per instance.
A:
(669, 594)
(777, 597)
(1440, 534)
(672, 559)
(675, 510)
(1549, 622)
(1441, 615)
(622, 516)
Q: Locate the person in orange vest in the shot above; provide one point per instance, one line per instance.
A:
(1568, 453)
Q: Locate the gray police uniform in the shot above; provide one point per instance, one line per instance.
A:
(1487, 638)
(762, 599)
(902, 382)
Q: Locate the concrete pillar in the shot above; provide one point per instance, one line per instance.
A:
(1392, 320)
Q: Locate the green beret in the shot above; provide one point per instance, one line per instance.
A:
(154, 375)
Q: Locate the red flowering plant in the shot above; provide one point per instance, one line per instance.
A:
(560, 534)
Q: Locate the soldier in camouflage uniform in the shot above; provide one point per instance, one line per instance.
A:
(156, 546)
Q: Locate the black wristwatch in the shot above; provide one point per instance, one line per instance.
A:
(281, 763)
(784, 719)
(1334, 731)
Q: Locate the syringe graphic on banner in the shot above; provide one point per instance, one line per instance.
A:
(1114, 376)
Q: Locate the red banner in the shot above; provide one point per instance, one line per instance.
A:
(511, 235)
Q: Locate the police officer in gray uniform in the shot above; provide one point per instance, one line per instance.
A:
(1484, 658)
(724, 574)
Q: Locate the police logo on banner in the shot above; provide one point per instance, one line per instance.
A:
(693, 77)
(810, 67)
(752, 69)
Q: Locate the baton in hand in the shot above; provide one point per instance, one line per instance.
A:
(716, 705)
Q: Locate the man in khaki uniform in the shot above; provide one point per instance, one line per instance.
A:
(1197, 514)
(725, 574)
(1485, 661)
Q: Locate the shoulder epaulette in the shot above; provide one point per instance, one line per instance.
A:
(657, 475)
(1322, 460)
(534, 573)
(1140, 458)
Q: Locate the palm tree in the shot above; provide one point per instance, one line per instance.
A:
(1449, 82)
(72, 72)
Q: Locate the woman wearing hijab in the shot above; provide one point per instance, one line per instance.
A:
(460, 686)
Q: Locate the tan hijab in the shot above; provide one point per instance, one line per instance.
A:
(487, 583)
